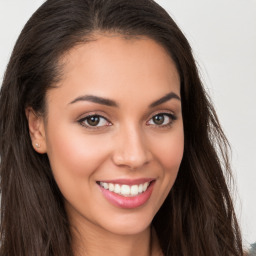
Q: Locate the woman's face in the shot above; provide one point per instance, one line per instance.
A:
(114, 132)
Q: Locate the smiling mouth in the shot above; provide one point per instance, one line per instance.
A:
(125, 189)
(127, 193)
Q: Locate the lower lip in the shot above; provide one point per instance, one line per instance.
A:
(128, 202)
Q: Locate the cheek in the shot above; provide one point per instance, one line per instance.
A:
(169, 152)
(74, 158)
(73, 153)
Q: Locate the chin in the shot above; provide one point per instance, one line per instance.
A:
(129, 224)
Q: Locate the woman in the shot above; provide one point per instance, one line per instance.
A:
(109, 143)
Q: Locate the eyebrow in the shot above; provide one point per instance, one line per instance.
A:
(162, 100)
(96, 99)
(111, 103)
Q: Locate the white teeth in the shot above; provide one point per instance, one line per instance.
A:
(111, 187)
(105, 185)
(117, 189)
(145, 186)
(125, 190)
(134, 190)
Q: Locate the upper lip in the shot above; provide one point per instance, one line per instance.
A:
(128, 181)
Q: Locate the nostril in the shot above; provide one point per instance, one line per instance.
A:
(130, 148)
(130, 162)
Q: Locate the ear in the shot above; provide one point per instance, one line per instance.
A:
(36, 130)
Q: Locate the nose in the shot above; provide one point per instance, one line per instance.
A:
(131, 150)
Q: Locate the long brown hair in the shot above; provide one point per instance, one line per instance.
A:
(197, 218)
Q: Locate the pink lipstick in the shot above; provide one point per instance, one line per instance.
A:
(126, 193)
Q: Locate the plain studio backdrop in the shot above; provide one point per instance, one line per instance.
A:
(222, 34)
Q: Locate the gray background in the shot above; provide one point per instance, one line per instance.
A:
(223, 36)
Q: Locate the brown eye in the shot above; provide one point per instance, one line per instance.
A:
(94, 121)
(162, 119)
(158, 119)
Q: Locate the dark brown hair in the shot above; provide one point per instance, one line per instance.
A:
(197, 218)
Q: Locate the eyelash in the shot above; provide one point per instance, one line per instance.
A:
(82, 121)
(85, 119)
(172, 118)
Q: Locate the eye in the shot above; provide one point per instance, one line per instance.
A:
(162, 119)
(94, 121)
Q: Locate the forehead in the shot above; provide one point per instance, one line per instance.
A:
(112, 64)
